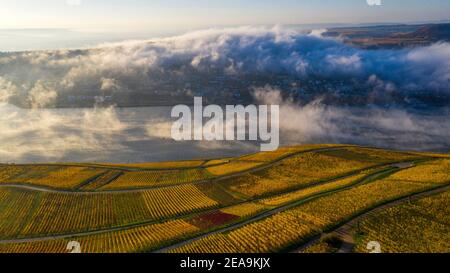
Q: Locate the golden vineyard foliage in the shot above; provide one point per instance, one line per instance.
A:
(284, 151)
(299, 194)
(435, 172)
(59, 213)
(232, 167)
(269, 235)
(176, 200)
(15, 207)
(154, 165)
(335, 207)
(143, 179)
(102, 180)
(437, 206)
(50, 176)
(245, 210)
(376, 155)
(317, 214)
(319, 247)
(137, 239)
(436, 155)
(142, 207)
(409, 227)
(342, 205)
(298, 171)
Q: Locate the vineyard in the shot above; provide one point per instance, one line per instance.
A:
(263, 202)
(316, 215)
(409, 227)
(156, 178)
(102, 180)
(131, 240)
(283, 152)
(232, 167)
(47, 213)
(50, 176)
(269, 235)
(301, 170)
(152, 165)
(296, 195)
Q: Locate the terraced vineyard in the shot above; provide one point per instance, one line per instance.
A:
(53, 213)
(156, 178)
(409, 227)
(61, 177)
(266, 202)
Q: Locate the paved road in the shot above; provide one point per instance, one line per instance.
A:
(344, 232)
(277, 210)
(220, 178)
(123, 227)
(261, 216)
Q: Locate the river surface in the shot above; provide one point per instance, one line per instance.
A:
(143, 134)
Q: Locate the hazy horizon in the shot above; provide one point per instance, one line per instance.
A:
(173, 14)
(30, 39)
(70, 24)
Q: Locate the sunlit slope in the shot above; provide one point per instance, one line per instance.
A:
(133, 208)
(64, 177)
(418, 226)
(295, 225)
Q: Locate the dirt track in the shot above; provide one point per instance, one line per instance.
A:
(344, 231)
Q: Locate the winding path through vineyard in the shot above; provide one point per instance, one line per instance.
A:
(231, 227)
(264, 184)
(219, 178)
(344, 232)
(402, 165)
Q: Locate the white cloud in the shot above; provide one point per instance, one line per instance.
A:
(109, 84)
(390, 128)
(41, 96)
(233, 52)
(52, 134)
(7, 90)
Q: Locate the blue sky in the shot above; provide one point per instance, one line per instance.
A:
(135, 15)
